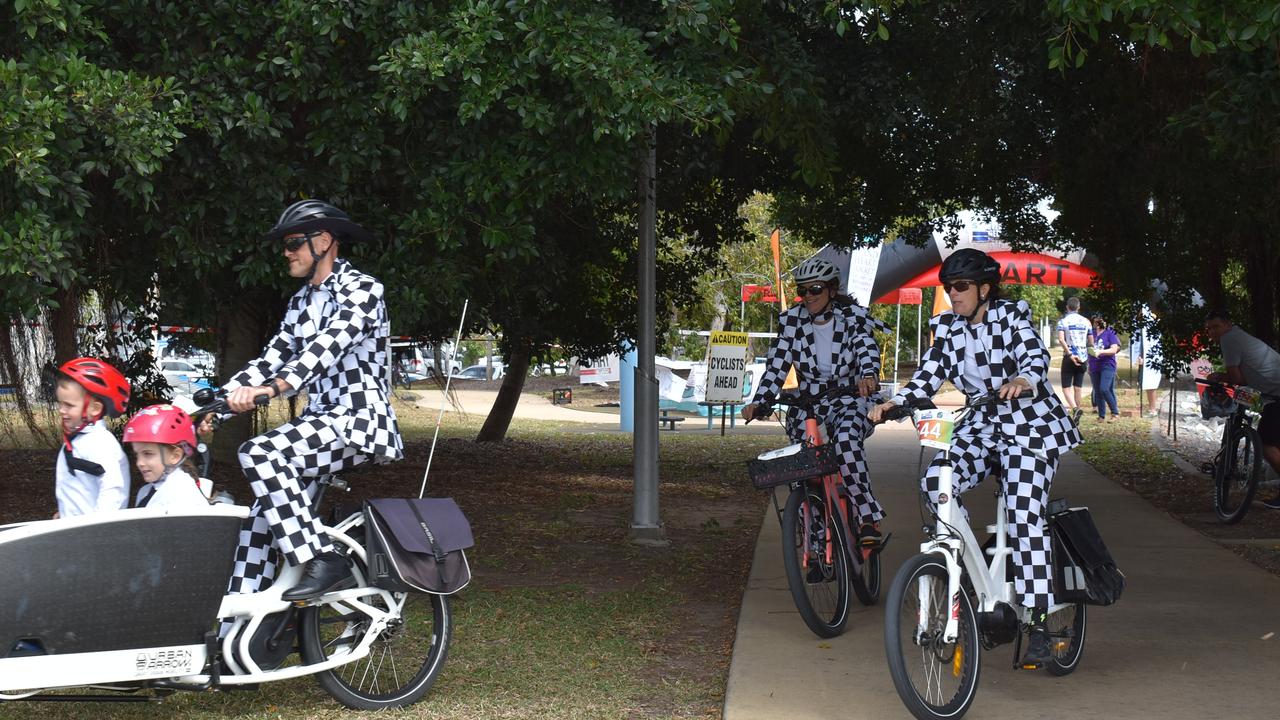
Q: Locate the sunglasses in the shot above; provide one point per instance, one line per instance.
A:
(958, 285)
(811, 290)
(293, 243)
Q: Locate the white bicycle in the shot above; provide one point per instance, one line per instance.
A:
(127, 602)
(956, 598)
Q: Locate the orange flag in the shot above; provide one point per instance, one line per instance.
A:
(792, 382)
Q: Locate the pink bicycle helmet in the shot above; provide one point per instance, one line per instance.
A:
(162, 424)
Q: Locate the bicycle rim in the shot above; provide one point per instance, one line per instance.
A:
(1238, 473)
(934, 679)
(820, 588)
(1066, 630)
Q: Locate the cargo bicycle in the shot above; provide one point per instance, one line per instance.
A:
(127, 603)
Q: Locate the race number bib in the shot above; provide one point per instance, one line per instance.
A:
(934, 428)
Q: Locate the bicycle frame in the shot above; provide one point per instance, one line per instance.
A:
(835, 502)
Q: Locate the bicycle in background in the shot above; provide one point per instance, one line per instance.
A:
(1237, 467)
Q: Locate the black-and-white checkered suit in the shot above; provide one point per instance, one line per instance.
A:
(855, 355)
(334, 344)
(1022, 437)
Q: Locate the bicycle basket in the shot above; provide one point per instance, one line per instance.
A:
(795, 463)
(1216, 402)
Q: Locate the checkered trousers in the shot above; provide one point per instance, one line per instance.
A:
(282, 466)
(978, 451)
(848, 424)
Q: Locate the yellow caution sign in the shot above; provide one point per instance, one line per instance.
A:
(722, 337)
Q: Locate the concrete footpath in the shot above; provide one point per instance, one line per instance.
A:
(1196, 634)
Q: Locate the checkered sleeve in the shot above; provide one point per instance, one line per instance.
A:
(933, 368)
(1028, 349)
(780, 358)
(355, 319)
(277, 352)
(868, 352)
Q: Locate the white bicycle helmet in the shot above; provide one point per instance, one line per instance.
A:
(815, 269)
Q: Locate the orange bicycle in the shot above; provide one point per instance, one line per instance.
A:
(822, 553)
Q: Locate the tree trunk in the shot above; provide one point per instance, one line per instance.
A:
(65, 321)
(242, 330)
(499, 419)
(1262, 294)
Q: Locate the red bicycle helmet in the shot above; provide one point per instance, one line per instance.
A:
(101, 381)
(162, 424)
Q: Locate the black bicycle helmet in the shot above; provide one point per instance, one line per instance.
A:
(311, 215)
(970, 264)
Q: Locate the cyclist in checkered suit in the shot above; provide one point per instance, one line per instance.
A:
(827, 340)
(332, 343)
(987, 344)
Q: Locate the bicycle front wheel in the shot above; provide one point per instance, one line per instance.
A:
(1238, 472)
(934, 678)
(402, 663)
(819, 586)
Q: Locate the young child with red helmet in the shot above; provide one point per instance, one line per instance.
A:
(92, 473)
(163, 440)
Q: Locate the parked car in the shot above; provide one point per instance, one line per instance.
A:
(416, 361)
(184, 376)
(477, 372)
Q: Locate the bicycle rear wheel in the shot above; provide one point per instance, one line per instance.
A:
(864, 573)
(1066, 630)
(403, 661)
(1238, 472)
(819, 588)
(934, 678)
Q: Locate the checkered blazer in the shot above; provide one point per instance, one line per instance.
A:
(856, 354)
(1012, 349)
(334, 343)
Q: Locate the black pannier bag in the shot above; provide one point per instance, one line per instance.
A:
(794, 463)
(417, 545)
(1083, 570)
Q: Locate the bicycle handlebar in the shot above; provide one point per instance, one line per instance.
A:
(909, 408)
(215, 401)
(801, 400)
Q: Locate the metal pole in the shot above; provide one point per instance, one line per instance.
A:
(645, 526)
(897, 345)
(742, 312)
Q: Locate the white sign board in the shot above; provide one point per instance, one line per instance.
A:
(863, 264)
(726, 365)
(601, 370)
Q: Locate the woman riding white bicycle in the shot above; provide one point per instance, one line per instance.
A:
(827, 339)
(984, 344)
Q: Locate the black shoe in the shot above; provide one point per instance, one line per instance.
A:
(1037, 649)
(814, 575)
(325, 573)
(1273, 503)
(869, 535)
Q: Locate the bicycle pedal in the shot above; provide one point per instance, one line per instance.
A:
(1030, 666)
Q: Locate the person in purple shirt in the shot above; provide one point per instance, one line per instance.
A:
(1103, 346)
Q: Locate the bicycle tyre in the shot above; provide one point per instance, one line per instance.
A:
(419, 644)
(1237, 476)
(823, 605)
(1066, 639)
(866, 580)
(919, 666)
